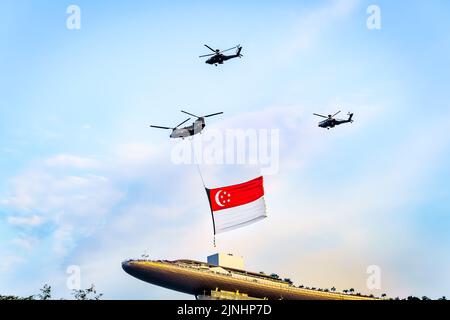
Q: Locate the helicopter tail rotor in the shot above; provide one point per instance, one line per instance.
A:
(239, 49)
(350, 117)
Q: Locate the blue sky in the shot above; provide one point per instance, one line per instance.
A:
(84, 181)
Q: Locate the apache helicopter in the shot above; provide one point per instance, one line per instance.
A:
(219, 57)
(191, 130)
(331, 122)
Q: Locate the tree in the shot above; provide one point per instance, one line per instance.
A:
(288, 281)
(442, 298)
(345, 291)
(384, 295)
(46, 293)
(15, 298)
(351, 290)
(333, 289)
(275, 276)
(87, 294)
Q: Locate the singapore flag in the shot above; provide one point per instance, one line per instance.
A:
(237, 205)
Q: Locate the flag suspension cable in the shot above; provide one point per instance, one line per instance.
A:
(203, 182)
(201, 176)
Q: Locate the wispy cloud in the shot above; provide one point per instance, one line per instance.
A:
(67, 160)
(32, 221)
(24, 242)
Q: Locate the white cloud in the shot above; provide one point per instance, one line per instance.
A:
(307, 32)
(51, 194)
(63, 239)
(67, 160)
(24, 242)
(31, 221)
(8, 262)
(137, 153)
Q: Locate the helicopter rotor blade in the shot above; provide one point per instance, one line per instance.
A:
(182, 123)
(334, 115)
(212, 115)
(207, 55)
(319, 115)
(228, 49)
(210, 48)
(158, 127)
(190, 114)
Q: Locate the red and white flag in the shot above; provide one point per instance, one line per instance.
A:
(238, 205)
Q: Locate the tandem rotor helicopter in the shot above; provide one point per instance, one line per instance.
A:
(331, 122)
(218, 57)
(191, 130)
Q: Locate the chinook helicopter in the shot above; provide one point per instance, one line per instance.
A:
(331, 122)
(191, 130)
(218, 57)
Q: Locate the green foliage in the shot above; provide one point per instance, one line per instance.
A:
(87, 294)
(46, 294)
(15, 298)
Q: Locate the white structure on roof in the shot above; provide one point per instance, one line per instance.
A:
(226, 260)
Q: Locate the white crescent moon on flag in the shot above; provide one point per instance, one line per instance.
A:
(217, 199)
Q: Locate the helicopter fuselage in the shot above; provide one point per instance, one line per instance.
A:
(220, 58)
(331, 122)
(189, 131)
